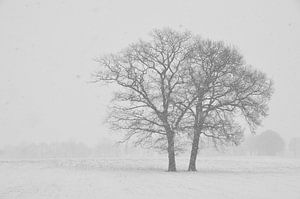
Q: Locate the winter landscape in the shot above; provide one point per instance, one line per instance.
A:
(218, 177)
(160, 99)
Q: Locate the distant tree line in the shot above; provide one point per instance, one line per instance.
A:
(69, 149)
(294, 146)
(266, 143)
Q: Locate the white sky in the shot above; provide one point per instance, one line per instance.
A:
(47, 50)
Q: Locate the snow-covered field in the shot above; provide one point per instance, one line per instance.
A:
(218, 177)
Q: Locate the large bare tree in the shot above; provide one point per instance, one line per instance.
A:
(226, 90)
(177, 85)
(149, 76)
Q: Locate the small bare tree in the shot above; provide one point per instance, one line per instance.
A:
(150, 78)
(225, 89)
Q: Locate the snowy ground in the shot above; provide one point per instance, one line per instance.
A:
(218, 177)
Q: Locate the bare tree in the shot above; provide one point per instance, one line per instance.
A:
(178, 85)
(225, 89)
(150, 78)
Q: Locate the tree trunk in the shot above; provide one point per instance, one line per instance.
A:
(194, 152)
(171, 153)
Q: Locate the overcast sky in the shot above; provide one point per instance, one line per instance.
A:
(47, 50)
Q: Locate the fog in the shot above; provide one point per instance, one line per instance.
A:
(47, 51)
(55, 141)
